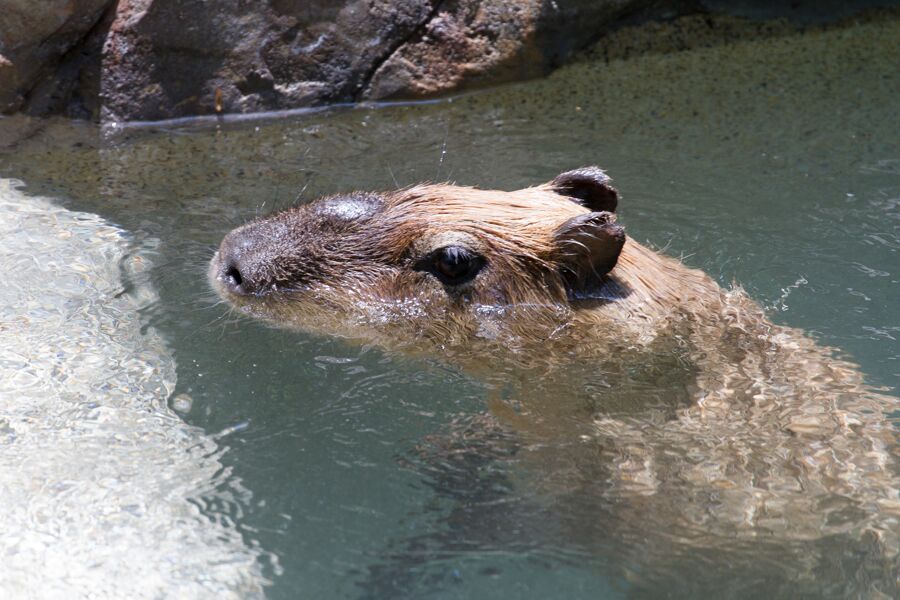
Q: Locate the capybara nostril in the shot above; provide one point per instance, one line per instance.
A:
(231, 276)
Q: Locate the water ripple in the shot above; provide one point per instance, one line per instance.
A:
(97, 477)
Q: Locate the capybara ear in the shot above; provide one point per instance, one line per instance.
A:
(589, 186)
(588, 247)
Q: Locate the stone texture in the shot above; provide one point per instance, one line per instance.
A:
(34, 38)
(119, 60)
(476, 42)
(165, 59)
(464, 42)
(172, 58)
(159, 59)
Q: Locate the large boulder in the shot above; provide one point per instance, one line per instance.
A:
(118, 60)
(158, 59)
(475, 42)
(171, 58)
(165, 59)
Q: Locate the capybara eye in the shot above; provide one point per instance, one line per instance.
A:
(455, 265)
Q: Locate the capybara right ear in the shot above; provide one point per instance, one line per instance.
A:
(588, 248)
(589, 186)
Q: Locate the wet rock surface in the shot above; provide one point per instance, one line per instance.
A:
(34, 39)
(160, 59)
(289, 54)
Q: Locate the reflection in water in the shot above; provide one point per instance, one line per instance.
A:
(99, 481)
(753, 448)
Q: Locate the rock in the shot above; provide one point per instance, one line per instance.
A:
(476, 42)
(184, 57)
(34, 37)
(169, 59)
(162, 59)
(176, 58)
(463, 43)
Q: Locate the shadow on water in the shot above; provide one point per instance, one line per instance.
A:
(476, 521)
(472, 512)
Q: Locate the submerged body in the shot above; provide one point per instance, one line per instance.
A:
(758, 432)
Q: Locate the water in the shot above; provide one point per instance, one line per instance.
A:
(773, 163)
(98, 478)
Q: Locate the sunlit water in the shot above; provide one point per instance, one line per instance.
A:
(339, 471)
(99, 479)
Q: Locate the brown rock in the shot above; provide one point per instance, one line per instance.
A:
(160, 59)
(476, 42)
(118, 60)
(167, 59)
(472, 41)
(34, 37)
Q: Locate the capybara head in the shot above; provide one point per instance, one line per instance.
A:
(441, 254)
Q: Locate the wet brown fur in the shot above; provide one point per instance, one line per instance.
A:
(782, 434)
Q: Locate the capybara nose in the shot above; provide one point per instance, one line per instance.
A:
(228, 273)
(235, 264)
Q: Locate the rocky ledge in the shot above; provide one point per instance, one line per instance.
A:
(121, 60)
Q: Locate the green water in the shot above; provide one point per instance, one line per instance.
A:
(774, 164)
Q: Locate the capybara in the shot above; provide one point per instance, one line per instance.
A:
(618, 366)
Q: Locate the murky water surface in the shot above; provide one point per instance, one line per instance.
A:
(339, 471)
